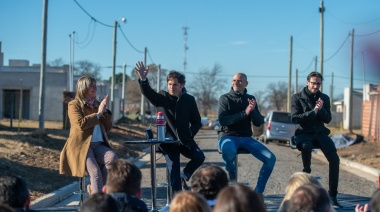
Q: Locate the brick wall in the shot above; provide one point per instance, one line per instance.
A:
(371, 116)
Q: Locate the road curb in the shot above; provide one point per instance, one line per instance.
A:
(370, 173)
(66, 191)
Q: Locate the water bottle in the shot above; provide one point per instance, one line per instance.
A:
(160, 122)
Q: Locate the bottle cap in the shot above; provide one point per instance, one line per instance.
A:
(160, 114)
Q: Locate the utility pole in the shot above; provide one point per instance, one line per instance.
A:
(315, 63)
(158, 77)
(185, 28)
(296, 82)
(41, 105)
(20, 107)
(351, 81)
(363, 68)
(332, 88)
(123, 91)
(113, 67)
(321, 10)
(72, 60)
(290, 72)
(142, 107)
(70, 66)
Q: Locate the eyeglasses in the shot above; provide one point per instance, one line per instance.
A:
(316, 83)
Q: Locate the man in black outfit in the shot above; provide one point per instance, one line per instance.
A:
(311, 110)
(183, 122)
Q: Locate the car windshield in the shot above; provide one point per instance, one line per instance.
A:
(281, 117)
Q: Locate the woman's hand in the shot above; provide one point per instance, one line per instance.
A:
(103, 106)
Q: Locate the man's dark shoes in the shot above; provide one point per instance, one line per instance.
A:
(307, 170)
(335, 203)
(185, 187)
(232, 176)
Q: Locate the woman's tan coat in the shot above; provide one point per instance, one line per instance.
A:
(82, 121)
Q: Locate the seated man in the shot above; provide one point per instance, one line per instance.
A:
(124, 184)
(208, 180)
(311, 111)
(14, 192)
(237, 110)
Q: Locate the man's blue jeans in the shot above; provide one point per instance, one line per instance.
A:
(229, 145)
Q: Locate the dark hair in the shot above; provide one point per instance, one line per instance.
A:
(240, 198)
(314, 74)
(13, 191)
(123, 176)
(375, 201)
(100, 202)
(309, 197)
(209, 180)
(176, 75)
(6, 208)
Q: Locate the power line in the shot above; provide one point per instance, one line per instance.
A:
(307, 66)
(368, 34)
(85, 40)
(336, 52)
(150, 57)
(350, 23)
(122, 32)
(92, 16)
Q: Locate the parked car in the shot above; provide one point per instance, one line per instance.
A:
(214, 124)
(204, 121)
(278, 126)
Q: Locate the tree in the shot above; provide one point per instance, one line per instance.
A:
(260, 99)
(57, 62)
(133, 90)
(277, 96)
(206, 87)
(85, 67)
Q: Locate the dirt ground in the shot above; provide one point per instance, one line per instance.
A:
(35, 156)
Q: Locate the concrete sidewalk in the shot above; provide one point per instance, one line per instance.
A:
(287, 163)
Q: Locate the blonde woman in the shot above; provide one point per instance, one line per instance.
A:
(296, 180)
(87, 147)
(188, 201)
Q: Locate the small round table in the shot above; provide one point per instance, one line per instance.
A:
(153, 143)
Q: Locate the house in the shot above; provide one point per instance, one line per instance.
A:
(20, 91)
(357, 99)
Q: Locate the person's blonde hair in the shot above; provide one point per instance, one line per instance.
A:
(296, 180)
(187, 201)
(82, 87)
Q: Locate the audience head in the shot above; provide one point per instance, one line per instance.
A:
(208, 180)
(188, 201)
(375, 201)
(124, 177)
(296, 180)
(309, 197)
(5, 208)
(100, 202)
(239, 198)
(14, 191)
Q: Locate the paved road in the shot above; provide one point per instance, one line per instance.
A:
(352, 188)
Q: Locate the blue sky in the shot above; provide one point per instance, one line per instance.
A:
(247, 36)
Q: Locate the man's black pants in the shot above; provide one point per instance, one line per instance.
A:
(307, 142)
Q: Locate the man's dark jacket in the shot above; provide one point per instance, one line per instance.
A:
(303, 104)
(181, 113)
(232, 116)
